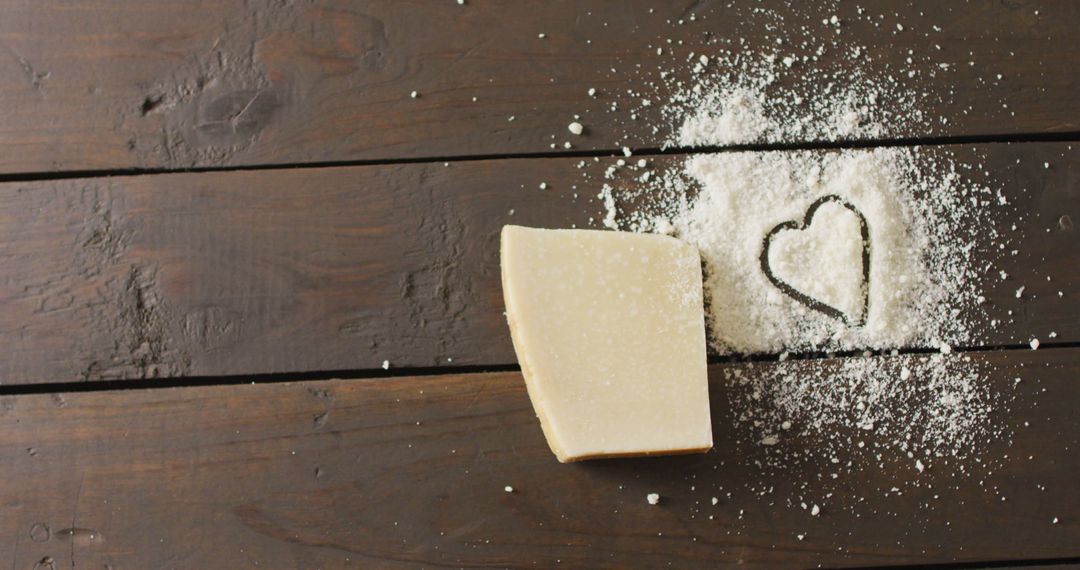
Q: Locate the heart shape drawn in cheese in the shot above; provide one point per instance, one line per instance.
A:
(823, 262)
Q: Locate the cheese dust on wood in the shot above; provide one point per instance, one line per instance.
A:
(811, 290)
(789, 269)
(822, 251)
(923, 225)
(919, 406)
(779, 97)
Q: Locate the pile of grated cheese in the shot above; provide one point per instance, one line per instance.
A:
(923, 224)
(926, 225)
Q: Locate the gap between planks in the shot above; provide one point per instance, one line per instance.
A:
(413, 372)
(1068, 136)
(338, 269)
(309, 469)
(1045, 563)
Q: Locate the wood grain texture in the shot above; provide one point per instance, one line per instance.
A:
(103, 85)
(342, 268)
(1066, 566)
(411, 472)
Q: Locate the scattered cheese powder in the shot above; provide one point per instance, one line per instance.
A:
(917, 274)
(942, 410)
(812, 252)
(766, 98)
(819, 284)
(788, 265)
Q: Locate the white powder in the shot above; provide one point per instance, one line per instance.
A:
(729, 117)
(892, 257)
(943, 410)
(824, 261)
(915, 284)
(910, 284)
(609, 206)
(774, 99)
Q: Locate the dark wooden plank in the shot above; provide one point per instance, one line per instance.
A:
(1067, 566)
(1034, 565)
(411, 472)
(343, 268)
(102, 85)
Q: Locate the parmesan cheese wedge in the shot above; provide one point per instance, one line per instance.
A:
(609, 330)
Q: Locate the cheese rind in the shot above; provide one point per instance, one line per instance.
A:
(610, 334)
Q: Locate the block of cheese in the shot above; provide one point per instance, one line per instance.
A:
(609, 329)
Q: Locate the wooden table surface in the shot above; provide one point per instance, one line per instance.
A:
(218, 219)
